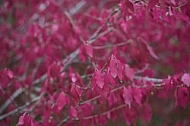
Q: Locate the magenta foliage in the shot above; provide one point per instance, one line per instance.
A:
(94, 62)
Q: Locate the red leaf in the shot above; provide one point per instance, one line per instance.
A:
(152, 3)
(130, 115)
(113, 66)
(73, 111)
(139, 96)
(129, 5)
(5, 77)
(85, 51)
(129, 72)
(89, 50)
(127, 95)
(85, 109)
(61, 101)
(21, 119)
(182, 96)
(76, 92)
(126, 7)
(186, 79)
(179, 14)
(26, 120)
(116, 68)
(146, 112)
(120, 70)
(99, 78)
(54, 70)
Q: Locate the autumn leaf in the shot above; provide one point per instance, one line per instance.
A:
(99, 78)
(61, 101)
(54, 70)
(182, 96)
(129, 72)
(186, 79)
(152, 3)
(127, 95)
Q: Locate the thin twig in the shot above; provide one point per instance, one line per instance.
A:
(21, 108)
(102, 114)
(11, 98)
(98, 96)
(68, 60)
(77, 7)
(115, 89)
(109, 46)
(155, 80)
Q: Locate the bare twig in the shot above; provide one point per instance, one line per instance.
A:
(39, 62)
(109, 46)
(21, 108)
(78, 7)
(102, 114)
(11, 98)
(68, 60)
(155, 80)
(98, 96)
(118, 88)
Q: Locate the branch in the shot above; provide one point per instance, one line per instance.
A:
(118, 88)
(11, 98)
(78, 6)
(155, 80)
(109, 46)
(21, 108)
(102, 114)
(68, 60)
(98, 96)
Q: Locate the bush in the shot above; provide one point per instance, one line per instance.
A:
(101, 62)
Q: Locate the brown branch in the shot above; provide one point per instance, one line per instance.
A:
(21, 108)
(98, 96)
(155, 80)
(102, 114)
(68, 60)
(11, 98)
(137, 78)
(109, 46)
(77, 7)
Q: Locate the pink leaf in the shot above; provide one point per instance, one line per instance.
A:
(127, 95)
(182, 96)
(76, 91)
(73, 111)
(85, 51)
(139, 96)
(99, 78)
(82, 55)
(21, 119)
(130, 115)
(126, 7)
(120, 70)
(113, 66)
(129, 5)
(186, 79)
(5, 77)
(152, 3)
(146, 113)
(89, 50)
(129, 72)
(54, 70)
(179, 14)
(26, 120)
(61, 101)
